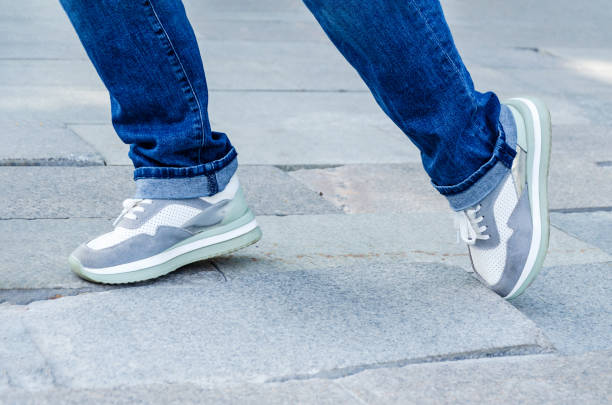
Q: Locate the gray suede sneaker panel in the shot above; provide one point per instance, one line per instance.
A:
(151, 209)
(518, 245)
(136, 248)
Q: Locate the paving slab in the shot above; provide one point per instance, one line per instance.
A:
(58, 104)
(523, 379)
(576, 181)
(35, 251)
(229, 65)
(361, 189)
(532, 379)
(42, 143)
(572, 306)
(569, 143)
(592, 227)
(302, 392)
(104, 139)
(283, 325)
(547, 24)
(97, 192)
(579, 182)
(21, 363)
(315, 241)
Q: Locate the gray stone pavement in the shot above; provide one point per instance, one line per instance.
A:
(358, 292)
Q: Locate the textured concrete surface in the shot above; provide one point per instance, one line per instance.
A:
(264, 326)
(290, 243)
(511, 380)
(534, 380)
(375, 188)
(45, 144)
(97, 192)
(406, 188)
(295, 242)
(592, 227)
(572, 305)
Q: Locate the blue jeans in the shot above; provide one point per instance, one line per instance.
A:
(146, 53)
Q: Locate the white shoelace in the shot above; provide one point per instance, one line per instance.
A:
(130, 206)
(467, 226)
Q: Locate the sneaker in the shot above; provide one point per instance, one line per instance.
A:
(154, 237)
(507, 232)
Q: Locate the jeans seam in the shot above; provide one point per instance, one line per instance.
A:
(176, 55)
(437, 41)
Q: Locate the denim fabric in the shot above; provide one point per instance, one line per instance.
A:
(146, 54)
(405, 53)
(492, 177)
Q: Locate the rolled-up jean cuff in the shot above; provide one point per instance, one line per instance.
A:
(213, 178)
(482, 182)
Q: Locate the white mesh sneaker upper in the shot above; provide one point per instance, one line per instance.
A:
(172, 215)
(490, 263)
(175, 215)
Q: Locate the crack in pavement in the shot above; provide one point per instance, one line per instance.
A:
(336, 373)
(580, 210)
(25, 296)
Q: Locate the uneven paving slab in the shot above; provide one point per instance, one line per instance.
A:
(272, 326)
(105, 140)
(523, 379)
(592, 227)
(38, 142)
(94, 192)
(315, 241)
(35, 251)
(535, 379)
(375, 188)
(573, 183)
(572, 305)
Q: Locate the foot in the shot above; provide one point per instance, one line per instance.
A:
(154, 237)
(507, 232)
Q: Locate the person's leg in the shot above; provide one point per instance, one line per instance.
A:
(188, 204)
(405, 53)
(146, 54)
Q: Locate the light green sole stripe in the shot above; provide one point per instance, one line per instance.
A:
(546, 126)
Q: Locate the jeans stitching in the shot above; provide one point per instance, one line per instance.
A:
(502, 153)
(203, 169)
(437, 41)
(150, 2)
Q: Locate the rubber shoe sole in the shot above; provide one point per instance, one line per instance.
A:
(538, 145)
(218, 241)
